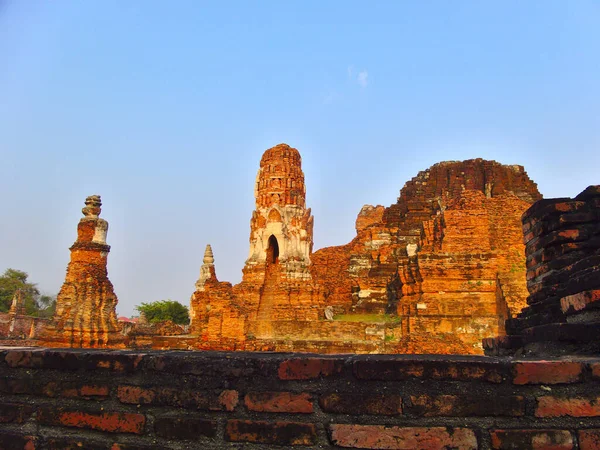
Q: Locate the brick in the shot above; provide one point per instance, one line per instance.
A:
(546, 372)
(116, 362)
(589, 439)
(208, 400)
(103, 421)
(467, 371)
(308, 368)
(15, 441)
(187, 428)
(532, 439)
(595, 370)
(344, 403)
(388, 370)
(278, 433)
(466, 405)
(282, 402)
(72, 444)
(14, 412)
(579, 301)
(549, 406)
(54, 389)
(402, 438)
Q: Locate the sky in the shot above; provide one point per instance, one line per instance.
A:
(165, 108)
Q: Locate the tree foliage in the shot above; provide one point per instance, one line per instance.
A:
(35, 304)
(162, 310)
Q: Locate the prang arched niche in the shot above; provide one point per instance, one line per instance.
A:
(272, 250)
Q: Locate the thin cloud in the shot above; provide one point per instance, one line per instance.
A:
(363, 78)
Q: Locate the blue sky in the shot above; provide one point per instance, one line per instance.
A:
(165, 108)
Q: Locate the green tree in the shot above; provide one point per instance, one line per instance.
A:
(14, 279)
(47, 306)
(162, 310)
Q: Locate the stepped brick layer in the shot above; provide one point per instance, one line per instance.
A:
(562, 238)
(436, 272)
(96, 399)
(86, 304)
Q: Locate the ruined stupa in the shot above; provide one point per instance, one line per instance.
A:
(86, 304)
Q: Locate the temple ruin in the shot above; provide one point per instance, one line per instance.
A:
(436, 272)
(86, 304)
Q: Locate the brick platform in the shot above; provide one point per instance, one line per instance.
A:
(97, 399)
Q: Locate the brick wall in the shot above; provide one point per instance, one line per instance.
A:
(57, 399)
(562, 238)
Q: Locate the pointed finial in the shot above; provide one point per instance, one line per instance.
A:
(208, 255)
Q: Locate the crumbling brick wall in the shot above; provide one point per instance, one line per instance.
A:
(56, 399)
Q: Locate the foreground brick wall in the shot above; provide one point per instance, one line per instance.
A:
(56, 399)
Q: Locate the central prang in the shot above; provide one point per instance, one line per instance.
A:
(281, 228)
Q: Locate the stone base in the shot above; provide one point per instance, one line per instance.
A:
(81, 339)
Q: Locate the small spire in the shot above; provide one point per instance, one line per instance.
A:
(208, 255)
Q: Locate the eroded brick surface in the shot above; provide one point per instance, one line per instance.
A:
(402, 438)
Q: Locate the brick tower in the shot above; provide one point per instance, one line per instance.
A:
(281, 228)
(86, 304)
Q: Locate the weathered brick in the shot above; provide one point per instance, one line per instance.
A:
(14, 412)
(579, 301)
(103, 421)
(388, 370)
(114, 362)
(208, 400)
(344, 403)
(17, 386)
(54, 389)
(531, 439)
(546, 372)
(467, 371)
(589, 439)
(549, 406)
(402, 438)
(17, 441)
(466, 405)
(595, 370)
(308, 368)
(187, 428)
(72, 443)
(279, 433)
(283, 402)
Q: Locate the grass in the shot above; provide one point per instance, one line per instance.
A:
(367, 318)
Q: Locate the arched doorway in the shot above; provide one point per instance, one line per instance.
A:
(273, 250)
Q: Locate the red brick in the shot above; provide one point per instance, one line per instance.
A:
(466, 405)
(402, 438)
(187, 428)
(209, 400)
(54, 389)
(595, 370)
(388, 370)
(283, 402)
(278, 433)
(229, 399)
(308, 368)
(532, 439)
(589, 439)
(343, 403)
(547, 372)
(14, 412)
(548, 406)
(10, 441)
(103, 421)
